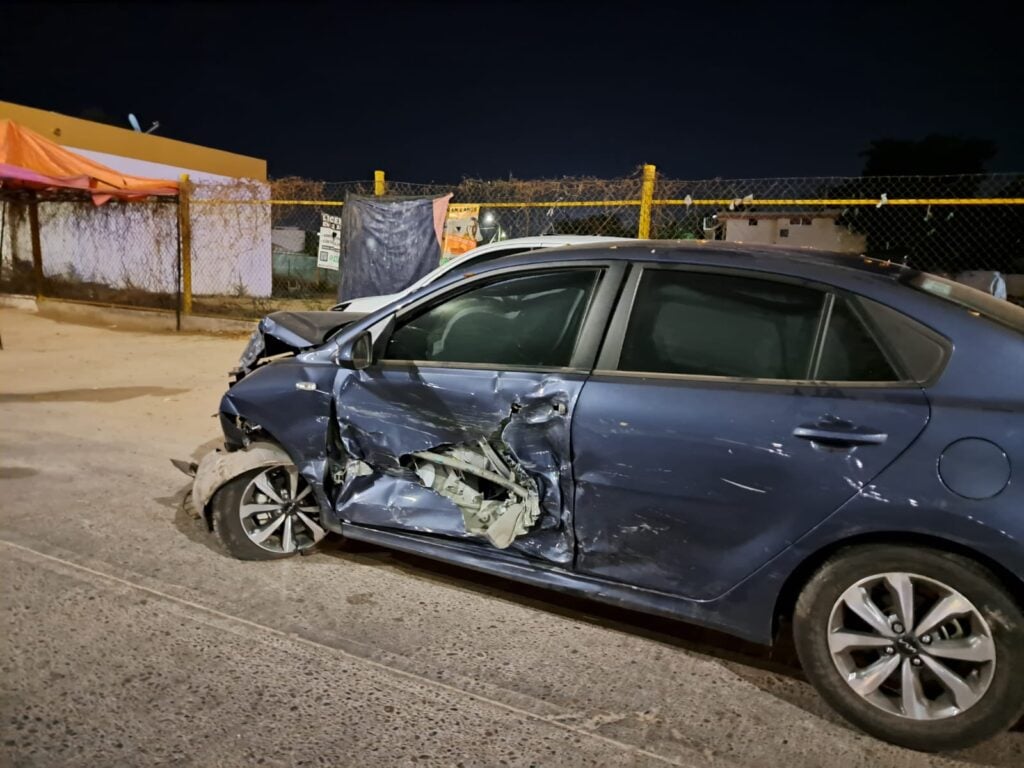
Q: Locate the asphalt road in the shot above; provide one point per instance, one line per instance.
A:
(130, 638)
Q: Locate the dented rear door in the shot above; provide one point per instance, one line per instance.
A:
(730, 412)
(462, 429)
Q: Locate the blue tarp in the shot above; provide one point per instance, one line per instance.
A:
(387, 244)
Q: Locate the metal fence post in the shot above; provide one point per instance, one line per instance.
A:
(185, 242)
(37, 249)
(646, 198)
(378, 183)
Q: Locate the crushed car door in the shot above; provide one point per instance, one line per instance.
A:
(461, 428)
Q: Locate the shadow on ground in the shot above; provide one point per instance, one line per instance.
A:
(774, 670)
(97, 395)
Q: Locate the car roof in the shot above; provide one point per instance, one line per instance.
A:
(544, 241)
(768, 258)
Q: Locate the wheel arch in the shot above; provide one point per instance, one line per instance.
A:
(218, 467)
(785, 602)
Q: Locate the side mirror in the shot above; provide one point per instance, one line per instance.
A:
(360, 352)
(356, 353)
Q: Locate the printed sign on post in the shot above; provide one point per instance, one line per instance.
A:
(461, 230)
(328, 254)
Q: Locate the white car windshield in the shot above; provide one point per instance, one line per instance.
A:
(469, 257)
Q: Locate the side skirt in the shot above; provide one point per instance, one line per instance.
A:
(527, 571)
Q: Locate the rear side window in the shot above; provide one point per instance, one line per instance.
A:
(921, 352)
(522, 321)
(707, 324)
(849, 351)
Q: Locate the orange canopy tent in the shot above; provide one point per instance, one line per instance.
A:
(29, 160)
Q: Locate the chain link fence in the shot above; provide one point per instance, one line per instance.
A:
(948, 224)
(245, 248)
(63, 246)
(517, 208)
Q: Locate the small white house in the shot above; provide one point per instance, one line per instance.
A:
(290, 239)
(802, 230)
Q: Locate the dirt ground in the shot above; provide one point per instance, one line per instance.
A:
(130, 638)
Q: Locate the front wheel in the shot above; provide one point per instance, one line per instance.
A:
(266, 514)
(916, 646)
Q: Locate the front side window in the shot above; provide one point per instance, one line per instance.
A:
(526, 321)
(721, 325)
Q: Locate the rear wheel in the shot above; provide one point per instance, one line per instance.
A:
(916, 646)
(266, 514)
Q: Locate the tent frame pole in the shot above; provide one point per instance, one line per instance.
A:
(37, 249)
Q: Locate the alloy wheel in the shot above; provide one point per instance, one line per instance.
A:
(911, 646)
(279, 513)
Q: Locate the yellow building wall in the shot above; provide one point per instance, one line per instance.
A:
(98, 137)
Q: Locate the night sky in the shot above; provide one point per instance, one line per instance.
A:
(438, 91)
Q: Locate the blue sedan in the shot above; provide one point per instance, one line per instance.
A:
(730, 435)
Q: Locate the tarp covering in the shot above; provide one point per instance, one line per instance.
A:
(388, 244)
(29, 160)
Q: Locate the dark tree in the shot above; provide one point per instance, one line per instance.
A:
(934, 155)
(939, 238)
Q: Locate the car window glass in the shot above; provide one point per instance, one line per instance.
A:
(474, 261)
(849, 352)
(721, 325)
(919, 350)
(497, 253)
(532, 320)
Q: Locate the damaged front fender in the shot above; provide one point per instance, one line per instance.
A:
(218, 467)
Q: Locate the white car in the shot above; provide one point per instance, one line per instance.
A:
(477, 255)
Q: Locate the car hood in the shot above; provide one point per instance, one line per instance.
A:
(291, 332)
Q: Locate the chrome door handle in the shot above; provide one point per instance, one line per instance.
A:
(834, 435)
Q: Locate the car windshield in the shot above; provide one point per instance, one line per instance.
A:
(1005, 313)
(477, 258)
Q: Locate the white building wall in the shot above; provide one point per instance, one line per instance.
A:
(135, 167)
(821, 233)
(231, 242)
(742, 231)
(290, 239)
(135, 245)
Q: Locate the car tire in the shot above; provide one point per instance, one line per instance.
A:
(287, 522)
(906, 687)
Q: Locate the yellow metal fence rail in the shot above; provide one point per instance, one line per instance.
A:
(753, 201)
(595, 206)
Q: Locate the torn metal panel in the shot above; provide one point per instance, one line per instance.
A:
(389, 417)
(398, 499)
(469, 477)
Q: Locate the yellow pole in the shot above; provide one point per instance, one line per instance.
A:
(185, 233)
(646, 197)
(378, 183)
